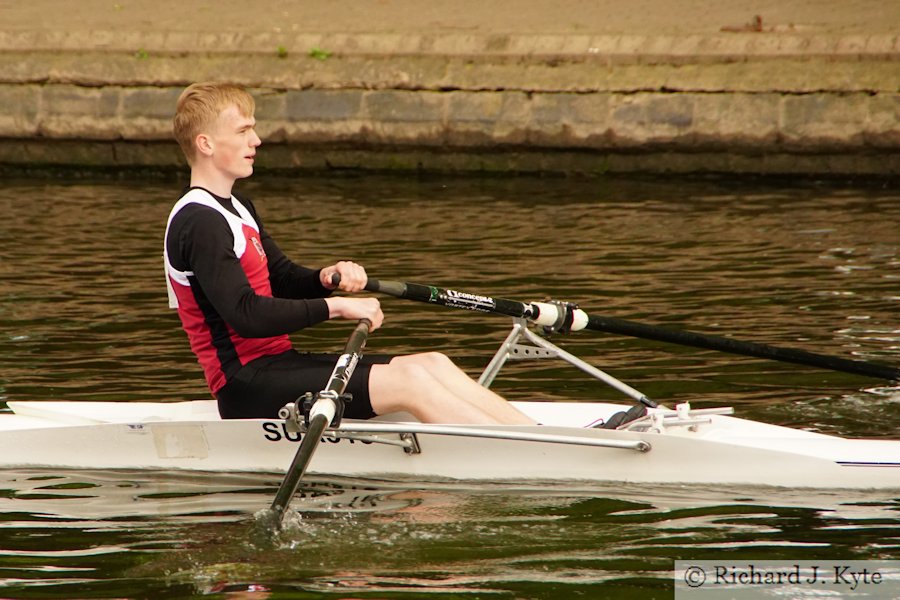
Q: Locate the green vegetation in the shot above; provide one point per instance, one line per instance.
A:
(319, 54)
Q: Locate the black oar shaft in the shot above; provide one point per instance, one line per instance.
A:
(298, 467)
(512, 308)
(451, 298)
(723, 344)
(337, 383)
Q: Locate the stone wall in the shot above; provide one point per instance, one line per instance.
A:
(734, 102)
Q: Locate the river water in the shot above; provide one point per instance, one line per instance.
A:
(815, 266)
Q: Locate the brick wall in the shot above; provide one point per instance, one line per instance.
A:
(728, 103)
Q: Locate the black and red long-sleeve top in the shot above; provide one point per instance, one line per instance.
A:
(237, 294)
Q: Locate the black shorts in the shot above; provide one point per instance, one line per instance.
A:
(264, 385)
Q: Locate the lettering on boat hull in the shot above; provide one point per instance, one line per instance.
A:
(278, 431)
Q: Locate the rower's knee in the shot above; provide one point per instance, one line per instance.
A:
(405, 386)
(411, 374)
(435, 362)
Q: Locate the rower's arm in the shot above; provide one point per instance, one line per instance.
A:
(288, 279)
(202, 243)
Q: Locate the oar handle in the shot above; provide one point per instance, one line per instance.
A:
(453, 298)
(447, 297)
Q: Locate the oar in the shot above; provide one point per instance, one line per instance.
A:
(566, 317)
(320, 415)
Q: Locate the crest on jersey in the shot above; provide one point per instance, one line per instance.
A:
(258, 245)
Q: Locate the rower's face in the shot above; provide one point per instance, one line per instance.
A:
(234, 142)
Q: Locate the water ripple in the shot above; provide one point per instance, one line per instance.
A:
(83, 317)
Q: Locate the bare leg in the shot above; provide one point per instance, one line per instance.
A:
(463, 386)
(435, 390)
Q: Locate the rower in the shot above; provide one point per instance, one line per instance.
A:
(239, 296)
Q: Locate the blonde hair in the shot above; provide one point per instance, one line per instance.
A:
(200, 104)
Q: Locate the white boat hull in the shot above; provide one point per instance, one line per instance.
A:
(717, 449)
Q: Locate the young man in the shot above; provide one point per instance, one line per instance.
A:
(238, 296)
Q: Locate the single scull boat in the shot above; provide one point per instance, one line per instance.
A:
(680, 445)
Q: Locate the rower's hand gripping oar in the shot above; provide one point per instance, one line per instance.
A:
(324, 409)
(562, 317)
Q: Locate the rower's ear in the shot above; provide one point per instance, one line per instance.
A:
(204, 144)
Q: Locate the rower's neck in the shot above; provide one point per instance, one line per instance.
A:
(212, 180)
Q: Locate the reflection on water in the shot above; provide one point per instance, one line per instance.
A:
(83, 317)
(195, 533)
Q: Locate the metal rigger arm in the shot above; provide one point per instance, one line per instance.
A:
(542, 348)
